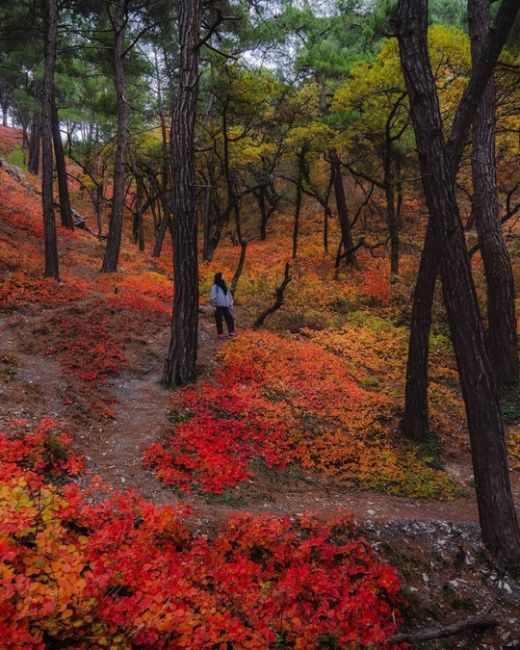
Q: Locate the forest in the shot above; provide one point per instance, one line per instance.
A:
(259, 371)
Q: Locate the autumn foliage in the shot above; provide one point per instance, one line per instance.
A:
(125, 573)
(287, 402)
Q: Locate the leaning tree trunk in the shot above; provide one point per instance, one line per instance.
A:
(115, 229)
(61, 171)
(182, 354)
(498, 522)
(50, 17)
(502, 336)
(416, 397)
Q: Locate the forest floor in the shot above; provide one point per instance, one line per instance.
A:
(434, 545)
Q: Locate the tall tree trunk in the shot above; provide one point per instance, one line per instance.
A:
(179, 367)
(243, 248)
(392, 216)
(111, 259)
(502, 335)
(496, 509)
(260, 197)
(298, 205)
(61, 171)
(415, 423)
(416, 415)
(138, 226)
(5, 114)
(165, 198)
(159, 240)
(50, 17)
(33, 162)
(98, 204)
(267, 194)
(344, 222)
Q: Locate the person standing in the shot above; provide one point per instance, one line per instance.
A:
(222, 301)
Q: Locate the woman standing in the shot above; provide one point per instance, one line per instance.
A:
(222, 301)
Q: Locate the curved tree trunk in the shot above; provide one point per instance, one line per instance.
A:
(111, 259)
(416, 398)
(179, 367)
(498, 522)
(502, 336)
(50, 17)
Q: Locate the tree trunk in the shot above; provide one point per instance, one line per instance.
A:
(111, 259)
(50, 17)
(496, 509)
(268, 193)
(61, 171)
(182, 354)
(418, 354)
(263, 212)
(392, 216)
(326, 217)
(98, 205)
(165, 198)
(5, 114)
(298, 205)
(137, 226)
(415, 423)
(341, 203)
(33, 162)
(159, 240)
(502, 336)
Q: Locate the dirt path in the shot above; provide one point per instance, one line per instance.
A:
(114, 448)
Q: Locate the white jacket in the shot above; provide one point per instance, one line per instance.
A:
(219, 298)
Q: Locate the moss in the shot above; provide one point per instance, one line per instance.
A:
(8, 365)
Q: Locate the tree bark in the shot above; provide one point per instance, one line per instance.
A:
(298, 205)
(61, 171)
(138, 226)
(496, 509)
(267, 193)
(415, 418)
(50, 17)
(111, 258)
(341, 204)
(182, 354)
(416, 423)
(502, 335)
(279, 297)
(33, 161)
(159, 240)
(392, 215)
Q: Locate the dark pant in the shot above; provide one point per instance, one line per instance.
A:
(224, 312)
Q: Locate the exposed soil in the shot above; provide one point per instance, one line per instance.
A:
(434, 545)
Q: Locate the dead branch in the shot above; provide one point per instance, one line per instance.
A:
(509, 215)
(480, 622)
(278, 300)
(361, 244)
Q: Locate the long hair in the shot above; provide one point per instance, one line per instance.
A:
(219, 281)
